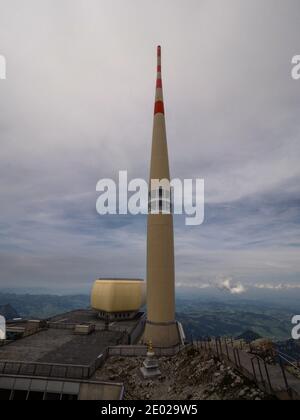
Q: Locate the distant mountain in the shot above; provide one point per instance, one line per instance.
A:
(249, 336)
(8, 312)
(43, 306)
(202, 318)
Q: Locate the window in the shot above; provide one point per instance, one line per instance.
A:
(160, 201)
(20, 395)
(5, 394)
(35, 396)
(69, 397)
(52, 397)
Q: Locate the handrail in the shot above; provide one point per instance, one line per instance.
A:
(287, 355)
(42, 363)
(82, 371)
(284, 357)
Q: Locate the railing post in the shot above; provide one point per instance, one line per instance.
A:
(235, 359)
(51, 370)
(238, 357)
(261, 374)
(217, 347)
(209, 346)
(19, 370)
(285, 378)
(253, 367)
(268, 376)
(222, 346)
(227, 351)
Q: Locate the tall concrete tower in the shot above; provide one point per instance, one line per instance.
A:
(161, 327)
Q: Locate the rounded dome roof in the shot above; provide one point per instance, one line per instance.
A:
(118, 295)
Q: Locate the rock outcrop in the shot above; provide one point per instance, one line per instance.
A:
(191, 375)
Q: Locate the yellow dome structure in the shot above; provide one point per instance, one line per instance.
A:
(118, 299)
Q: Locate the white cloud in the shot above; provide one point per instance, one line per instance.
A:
(193, 285)
(281, 286)
(228, 285)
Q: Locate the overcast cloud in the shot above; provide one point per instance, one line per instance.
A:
(77, 106)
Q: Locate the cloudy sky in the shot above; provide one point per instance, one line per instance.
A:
(77, 106)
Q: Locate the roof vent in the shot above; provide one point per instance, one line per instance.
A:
(84, 329)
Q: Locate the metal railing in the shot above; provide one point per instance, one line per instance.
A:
(141, 351)
(228, 348)
(8, 367)
(52, 370)
(289, 360)
(60, 390)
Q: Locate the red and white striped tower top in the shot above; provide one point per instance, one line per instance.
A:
(159, 100)
(159, 155)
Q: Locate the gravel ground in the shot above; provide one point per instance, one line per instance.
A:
(191, 375)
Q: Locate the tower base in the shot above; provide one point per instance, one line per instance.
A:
(162, 334)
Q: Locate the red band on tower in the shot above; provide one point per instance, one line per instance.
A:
(159, 84)
(159, 108)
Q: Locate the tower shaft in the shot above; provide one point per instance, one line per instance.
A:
(161, 327)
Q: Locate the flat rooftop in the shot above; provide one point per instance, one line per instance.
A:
(59, 345)
(89, 316)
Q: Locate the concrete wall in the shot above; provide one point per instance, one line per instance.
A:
(141, 351)
(100, 392)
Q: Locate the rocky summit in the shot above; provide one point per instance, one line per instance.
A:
(190, 375)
